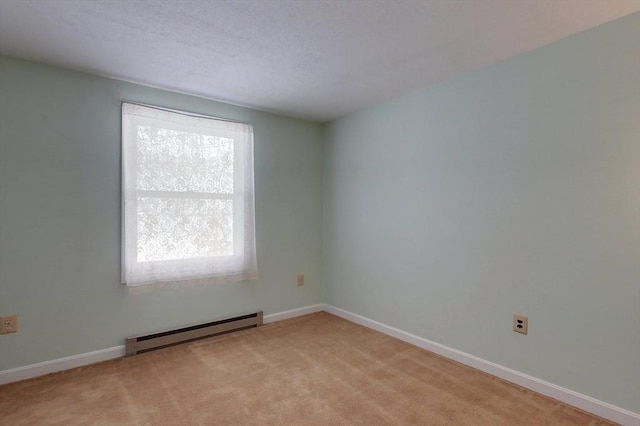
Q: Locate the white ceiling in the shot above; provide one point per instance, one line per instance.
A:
(313, 59)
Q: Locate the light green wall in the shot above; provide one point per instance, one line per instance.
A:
(60, 216)
(512, 189)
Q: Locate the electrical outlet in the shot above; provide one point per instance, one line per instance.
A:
(9, 324)
(520, 323)
(300, 280)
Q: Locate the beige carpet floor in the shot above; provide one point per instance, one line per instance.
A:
(312, 370)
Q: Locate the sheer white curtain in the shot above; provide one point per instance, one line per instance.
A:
(188, 197)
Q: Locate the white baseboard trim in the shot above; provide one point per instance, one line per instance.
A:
(73, 361)
(583, 402)
(279, 316)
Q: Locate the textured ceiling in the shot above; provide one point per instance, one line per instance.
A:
(313, 59)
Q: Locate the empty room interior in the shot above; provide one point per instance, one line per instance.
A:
(319, 212)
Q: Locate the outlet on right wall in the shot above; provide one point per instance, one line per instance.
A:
(513, 189)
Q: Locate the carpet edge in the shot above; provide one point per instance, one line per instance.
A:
(583, 402)
(31, 371)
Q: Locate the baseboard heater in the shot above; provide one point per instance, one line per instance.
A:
(139, 344)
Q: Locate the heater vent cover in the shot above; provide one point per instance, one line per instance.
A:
(148, 342)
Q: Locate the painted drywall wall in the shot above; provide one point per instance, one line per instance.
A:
(60, 216)
(514, 189)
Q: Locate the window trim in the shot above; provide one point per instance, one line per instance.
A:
(241, 264)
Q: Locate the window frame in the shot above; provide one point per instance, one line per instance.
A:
(232, 267)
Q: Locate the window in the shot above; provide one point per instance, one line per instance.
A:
(188, 204)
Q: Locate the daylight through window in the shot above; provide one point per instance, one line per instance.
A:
(188, 202)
